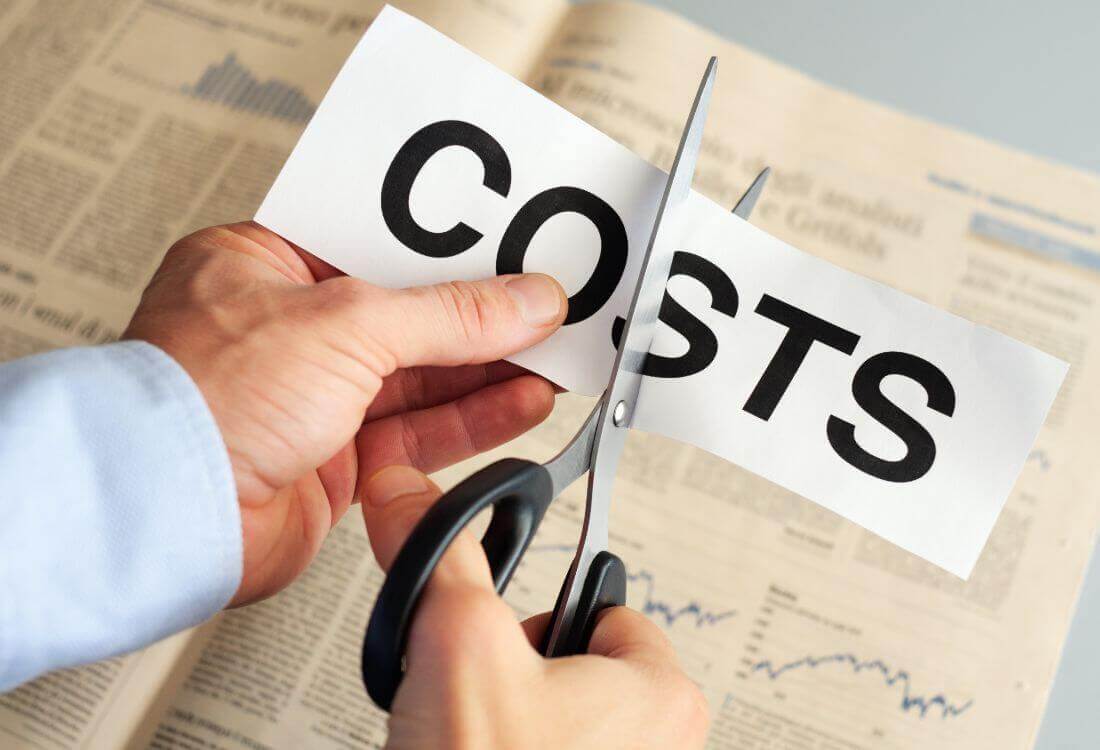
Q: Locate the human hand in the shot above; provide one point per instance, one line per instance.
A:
(474, 679)
(316, 380)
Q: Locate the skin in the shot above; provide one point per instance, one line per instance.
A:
(318, 383)
(474, 679)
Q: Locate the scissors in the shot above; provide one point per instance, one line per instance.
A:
(520, 491)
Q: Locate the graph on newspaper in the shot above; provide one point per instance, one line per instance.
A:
(232, 83)
(232, 78)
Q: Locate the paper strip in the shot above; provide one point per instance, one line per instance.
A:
(424, 163)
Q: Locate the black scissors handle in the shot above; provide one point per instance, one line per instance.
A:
(604, 586)
(519, 492)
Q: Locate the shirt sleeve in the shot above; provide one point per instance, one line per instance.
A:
(119, 522)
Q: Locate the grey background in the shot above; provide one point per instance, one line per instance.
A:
(1026, 74)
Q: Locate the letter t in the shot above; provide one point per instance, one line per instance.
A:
(803, 330)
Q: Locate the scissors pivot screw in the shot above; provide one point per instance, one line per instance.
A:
(618, 416)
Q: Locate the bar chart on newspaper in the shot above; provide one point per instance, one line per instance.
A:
(232, 80)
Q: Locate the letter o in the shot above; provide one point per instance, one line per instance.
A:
(613, 243)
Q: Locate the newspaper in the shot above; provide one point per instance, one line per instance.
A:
(126, 123)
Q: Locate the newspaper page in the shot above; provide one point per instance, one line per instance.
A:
(129, 122)
(124, 125)
(804, 631)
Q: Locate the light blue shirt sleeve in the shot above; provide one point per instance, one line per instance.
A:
(119, 522)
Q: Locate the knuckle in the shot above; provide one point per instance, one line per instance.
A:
(206, 243)
(413, 388)
(190, 256)
(347, 292)
(199, 269)
(410, 441)
(187, 289)
(691, 705)
(200, 238)
(471, 309)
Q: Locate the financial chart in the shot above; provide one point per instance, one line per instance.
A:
(206, 54)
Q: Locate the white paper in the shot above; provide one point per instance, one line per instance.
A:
(404, 76)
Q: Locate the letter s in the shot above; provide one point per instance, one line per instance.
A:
(406, 165)
(702, 343)
(866, 388)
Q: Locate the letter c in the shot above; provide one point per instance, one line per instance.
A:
(406, 165)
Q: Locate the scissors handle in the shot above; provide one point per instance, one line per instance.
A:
(519, 492)
(604, 586)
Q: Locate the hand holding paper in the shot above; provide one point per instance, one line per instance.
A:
(425, 164)
(354, 378)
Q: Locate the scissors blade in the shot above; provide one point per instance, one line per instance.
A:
(744, 207)
(575, 458)
(649, 293)
(617, 405)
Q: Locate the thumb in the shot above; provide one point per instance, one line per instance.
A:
(460, 322)
(460, 619)
(394, 499)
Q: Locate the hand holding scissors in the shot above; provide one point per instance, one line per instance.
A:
(520, 491)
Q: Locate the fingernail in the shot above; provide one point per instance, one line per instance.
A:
(537, 297)
(393, 482)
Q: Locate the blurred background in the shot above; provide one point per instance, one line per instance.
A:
(1024, 74)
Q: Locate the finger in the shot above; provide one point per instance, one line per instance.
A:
(295, 258)
(459, 619)
(635, 643)
(338, 477)
(430, 439)
(626, 634)
(290, 259)
(423, 387)
(257, 241)
(456, 323)
(394, 499)
(320, 269)
(535, 628)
